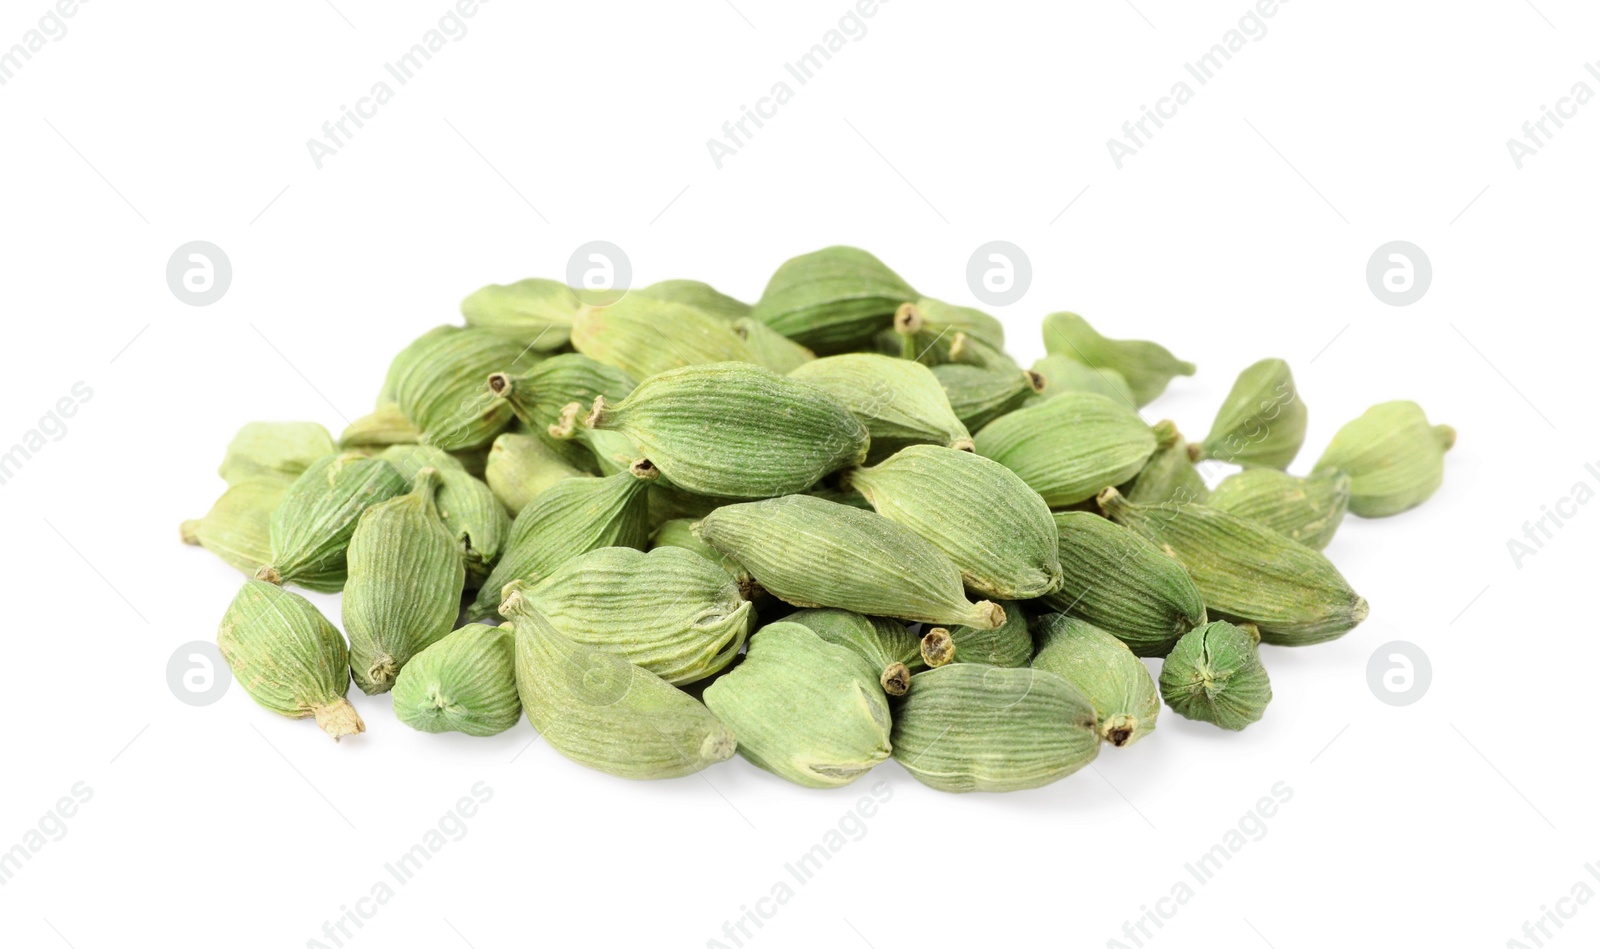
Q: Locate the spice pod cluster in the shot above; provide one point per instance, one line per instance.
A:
(838, 526)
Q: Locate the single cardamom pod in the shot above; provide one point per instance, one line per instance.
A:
(1215, 675)
(1169, 475)
(521, 467)
(385, 426)
(888, 645)
(438, 383)
(602, 711)
(1062, 374)
(702, 296)
(979, 396)
(1108, 674)
(927, 323)
(465, 682)
(536, 313)
(572, 517)
(404, 591)
(770, 347)
(679, 532)
(644, 336)
(1146, 366)
(995, 528)
(806, 710)
(968, 727)
(1308, 510)
(288, 657)
(238, 526)
(1070, 447)
(735, 430)
(1248, 572)
(539, 396)
(311, 527)
(1394, 458)
(832, 300)
(1009, 645)
(669, 611)
(1262, 422)
(1124, 584)
(811, 552)
(284, 449)
(899, 401)
(938, 647)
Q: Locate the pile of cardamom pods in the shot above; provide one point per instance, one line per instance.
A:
(835, 527)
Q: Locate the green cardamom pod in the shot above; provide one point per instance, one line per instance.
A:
(1248, 572)
(899, 401)
(1009, 645)
(770, 347)
(735, 430)
(1146, 366)
(995, 528)
(1307, 510)
(465, 682)
(968, 727)
(238, 526)
(806, 710)
(811, 552)
(669, 611)
(404, 591)
(927, 323)
(438, 383)
(888, 645)
(832, 300)
(1062, 374)
(1071, 447)
(288, 657)
(570, 518)
(312, 526)
(274, 449)
(1394, 458)
(1262, 422)
(644, 336)
(702, 296)
(1124, 584)
(1108, 674)
(536, 313)
(602, 711)
(521, 467)
(385, 426)
(1169, 475)
(979, 396)
(470, 510)
(1215, 675)
(539, 396)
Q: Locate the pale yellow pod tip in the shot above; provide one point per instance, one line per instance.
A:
(339, 718)
(500, 384)
(1035, 381)
(896, 679)
(566, 427)
(190, 532)
(269, 574)
(937, 647)
(908, 319)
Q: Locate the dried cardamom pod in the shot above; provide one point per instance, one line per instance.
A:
(899, 401)
(238, 526)
(536, 313)
(968, 727)
(602, 711)
(1146, 366)
(1062, 374)
(1070, 447)
(979, 396)
(1009, 645)
(702, 296)
(465, 682)
(811, 552)
(735, 430)
(1308, 510)
(521, 467)
(438, 383)
(1108, 674)
(832, 300)
(288, 657)
(311, 527)
(385, 426)
(1248, 572)
(470, 510)
(927, 323)
(1262, 422)
(770, 347)
(644, 336)
(539, 396)
(1169, 475)
(806, 710)
(669, 611)
(888, 645)
(1124, 584)
(404, 591)
(1395, 459)
(570, 518)
(1215, 675)
(283, 449)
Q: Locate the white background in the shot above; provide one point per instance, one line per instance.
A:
(1241, 231)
